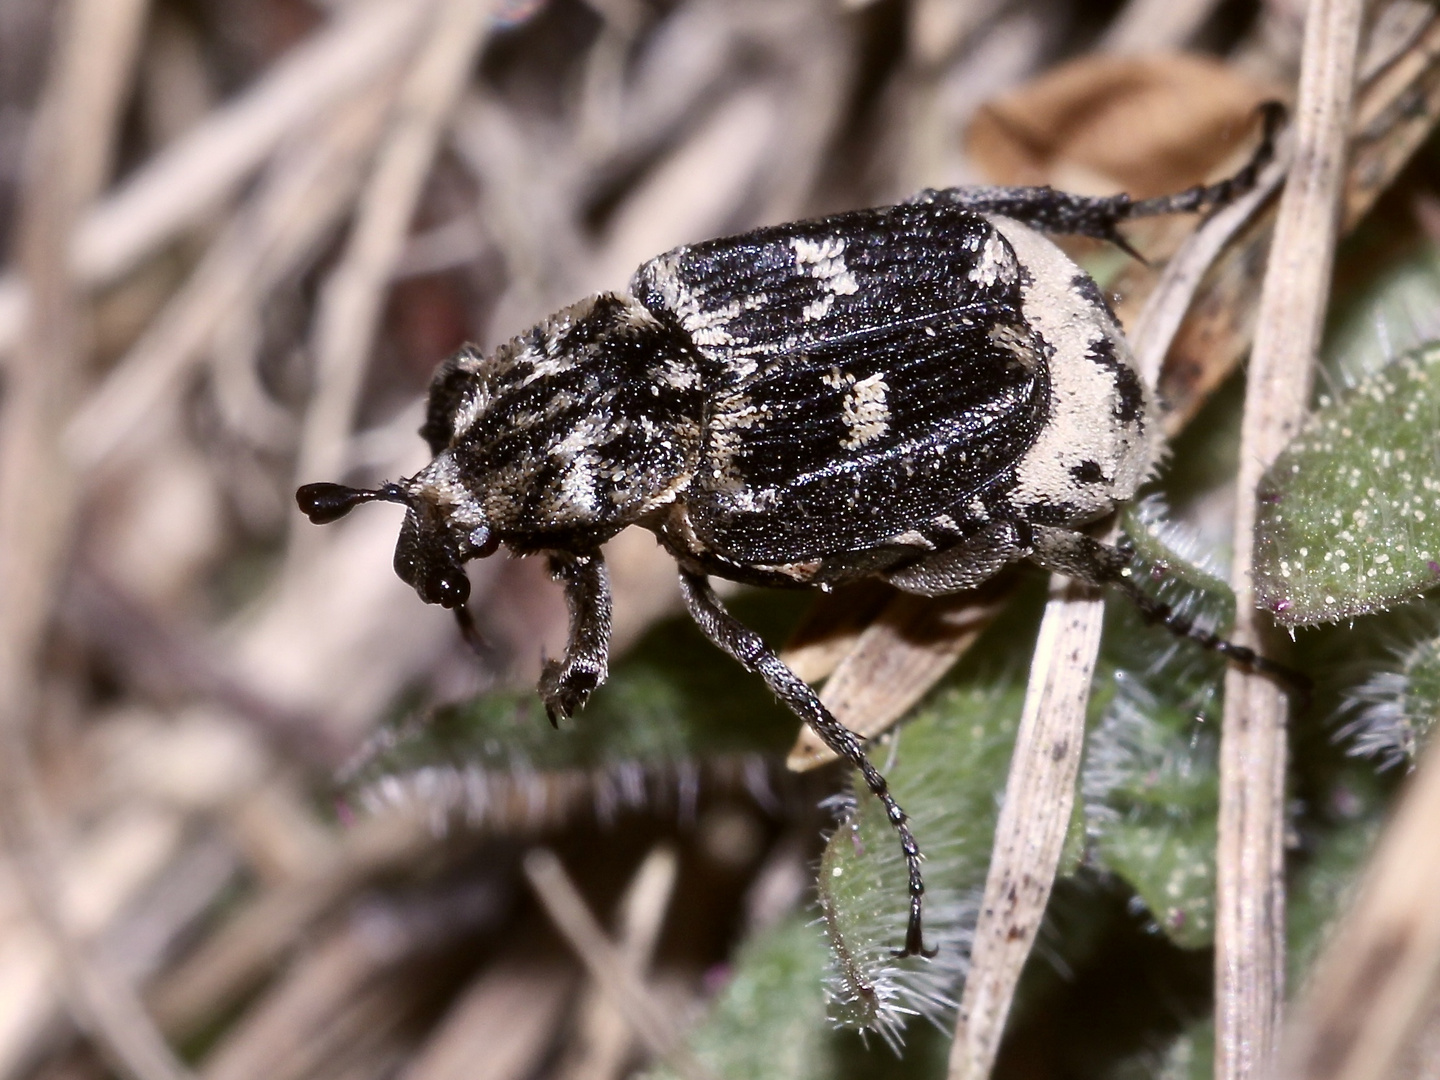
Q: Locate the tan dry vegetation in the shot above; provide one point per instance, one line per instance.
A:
(238, 237)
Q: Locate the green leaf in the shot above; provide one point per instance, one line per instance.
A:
(1393, 712)
(1150, 777)
(769, 1021)
(1323, 886)
(945, 768)
(1393, 311)
(671, 703)
(1349, 519)
(1150, 783)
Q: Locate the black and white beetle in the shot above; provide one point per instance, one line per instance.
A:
(922, 393)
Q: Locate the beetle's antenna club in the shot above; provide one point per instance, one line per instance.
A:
(324, 503)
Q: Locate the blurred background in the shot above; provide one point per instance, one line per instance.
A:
(267, 814)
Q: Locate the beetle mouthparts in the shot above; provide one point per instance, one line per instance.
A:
(324, 503)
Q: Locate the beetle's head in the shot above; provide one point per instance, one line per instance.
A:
(434, 545)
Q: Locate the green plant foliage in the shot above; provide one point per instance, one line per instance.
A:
(1323, 885)
(1180, 570)
(946, 768)
(671, 703)
(1150, 778)
(1349, 519)
(1150, 785)
(1189, 1056)
(1392, 713)
(769, 1020)
(1393, 312)
(1334, 852)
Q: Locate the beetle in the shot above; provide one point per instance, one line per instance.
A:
(923, 393)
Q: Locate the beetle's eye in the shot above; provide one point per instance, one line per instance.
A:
(483, 542)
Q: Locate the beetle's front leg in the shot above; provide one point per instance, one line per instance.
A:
(565, 684)
(746, 646)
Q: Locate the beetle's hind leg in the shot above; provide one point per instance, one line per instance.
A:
(1087, 559)
(746, 646)
(1060, 212)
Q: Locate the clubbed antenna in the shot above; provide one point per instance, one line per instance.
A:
(324, 503)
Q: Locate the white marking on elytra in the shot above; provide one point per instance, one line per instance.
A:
(818, 309)
(706, 326)
(824, 260)
(735, 413)
(866, 412)
(995, 262)
(912, 538)
(1084, 396)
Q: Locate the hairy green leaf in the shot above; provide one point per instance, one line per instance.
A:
(946, 768)
(1150, 775)
(1393, 712)
(1349, 519)
(673, 704)
(769, 1021)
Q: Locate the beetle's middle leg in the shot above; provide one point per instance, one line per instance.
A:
(565, 684)
(746, 646)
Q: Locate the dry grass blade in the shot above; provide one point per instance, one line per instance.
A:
(344, 1001)
(69, 159)
(607, 966)
(1395, 113)
(350, 306)
(892, 664)
(305, 193)
(231, 961)
(1029, 836)
(188, 180)
(604, 1039)
(502, 1026)
(1250, 901)
(1376, 980)
(98, 881)
(72, 140)
(1148, 26)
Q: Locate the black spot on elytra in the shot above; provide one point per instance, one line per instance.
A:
(1087, 472)
(1085, 285)
(1127, 384)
